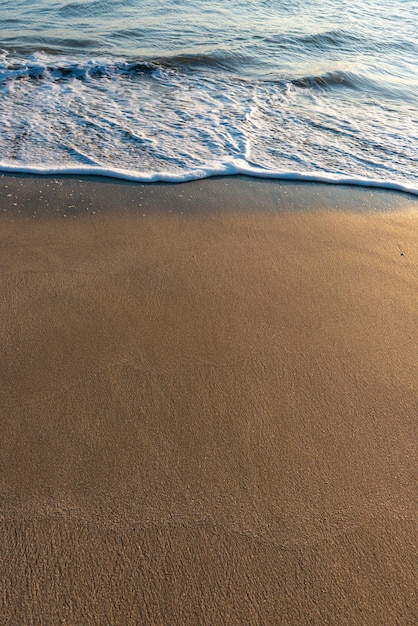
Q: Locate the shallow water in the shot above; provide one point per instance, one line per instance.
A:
(173, 90)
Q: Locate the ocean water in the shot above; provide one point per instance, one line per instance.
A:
(177, 90)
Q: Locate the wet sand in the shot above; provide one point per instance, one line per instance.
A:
(208, 399)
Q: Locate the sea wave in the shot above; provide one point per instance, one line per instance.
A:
(44, 67)
(40, 67)
(356, 81)
(179, 117)
(348, 41)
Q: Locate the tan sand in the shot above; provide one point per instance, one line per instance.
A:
(208, 416)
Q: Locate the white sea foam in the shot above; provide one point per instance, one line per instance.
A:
(225, 170)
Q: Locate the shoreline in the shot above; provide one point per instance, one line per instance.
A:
(252, 172)
(69, 196)
(208, 396)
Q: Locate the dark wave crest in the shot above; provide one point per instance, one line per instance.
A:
(45, 67)
(338, 79)
(34, 69)
(331, 79)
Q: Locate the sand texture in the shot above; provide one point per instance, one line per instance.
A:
(208, 398)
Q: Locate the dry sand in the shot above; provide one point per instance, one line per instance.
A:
(208, 400)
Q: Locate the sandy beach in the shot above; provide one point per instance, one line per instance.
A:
(208, 398)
